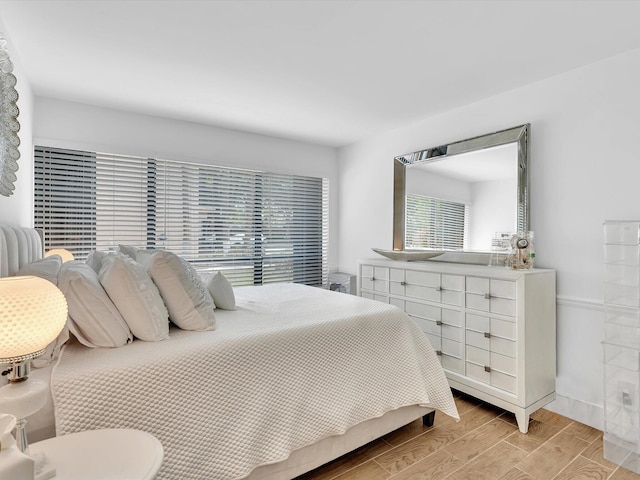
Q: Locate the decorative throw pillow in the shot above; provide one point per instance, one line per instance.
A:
(94, 260)
(188, 301)
(93, 318)
(128, 250)
(136, 297)
(47, 268)
(221, 291)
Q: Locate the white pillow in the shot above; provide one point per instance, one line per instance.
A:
(93, 318)
(221, 291)
(52, 350)
(46, 268)
(94, 260)
(188, 301)
(128, 250)
(137, 298)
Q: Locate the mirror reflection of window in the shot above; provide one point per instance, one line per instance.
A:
(434, 223)
(483, 182)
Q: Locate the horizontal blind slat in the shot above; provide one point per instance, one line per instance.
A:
(257, 227)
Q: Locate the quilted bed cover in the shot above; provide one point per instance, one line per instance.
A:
(292, 365)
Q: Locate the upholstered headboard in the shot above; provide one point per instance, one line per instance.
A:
(19, 246)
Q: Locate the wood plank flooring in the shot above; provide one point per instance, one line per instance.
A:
(485, 445)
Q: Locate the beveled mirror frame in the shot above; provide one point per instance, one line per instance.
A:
(519, 135)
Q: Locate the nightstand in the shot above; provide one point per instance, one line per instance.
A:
(108, 454)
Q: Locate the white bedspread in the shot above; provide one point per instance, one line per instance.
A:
(292, 365)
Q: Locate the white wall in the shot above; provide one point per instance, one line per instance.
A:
(492, 210)
(17, 209)
(433, 185)
(73, 125)
(584, 168)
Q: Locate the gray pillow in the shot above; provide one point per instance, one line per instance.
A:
(46, 268)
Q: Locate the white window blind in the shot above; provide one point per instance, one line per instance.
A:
(256, 227)
(434, 223)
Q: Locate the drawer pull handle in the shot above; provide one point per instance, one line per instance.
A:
(487, 335)
(487, 369)
(438, 322)
(373, 279)
(438, 289)
(403, 283)
(487, 296)
(439, 353)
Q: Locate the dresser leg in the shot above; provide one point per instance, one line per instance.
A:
(523, 421)
(429, 419)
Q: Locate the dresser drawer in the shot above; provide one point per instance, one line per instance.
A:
(428, 286)
(445, 331)
(452, 363)
(491, 334)
(492, 377)
(491, 360)
(497, 327)
(491, 344)
(439, 330)
(435, 313)
(496, 379)
(449, 353)
(374, 278)
(491, 304)
(444, 345)
(498, 288)
(374, 296)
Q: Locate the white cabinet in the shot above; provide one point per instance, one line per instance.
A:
(493, 329)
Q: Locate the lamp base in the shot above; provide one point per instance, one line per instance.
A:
(23, 399)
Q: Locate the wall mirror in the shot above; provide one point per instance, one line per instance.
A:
(9, 125)
(456, 197)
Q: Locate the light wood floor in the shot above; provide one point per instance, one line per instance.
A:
(485, 445)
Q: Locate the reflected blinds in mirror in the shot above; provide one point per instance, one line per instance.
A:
(256, 227)
(432, 223)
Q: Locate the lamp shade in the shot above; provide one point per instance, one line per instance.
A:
(33, 312)
(65, 254)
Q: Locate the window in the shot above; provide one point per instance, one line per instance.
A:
(434, 223)
(256, 227)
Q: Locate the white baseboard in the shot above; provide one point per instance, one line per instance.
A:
(587, 413)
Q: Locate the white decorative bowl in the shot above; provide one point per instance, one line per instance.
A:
(408, 255)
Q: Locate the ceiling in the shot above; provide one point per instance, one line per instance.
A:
(326, 72)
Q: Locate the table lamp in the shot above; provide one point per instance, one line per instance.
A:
(33, 312)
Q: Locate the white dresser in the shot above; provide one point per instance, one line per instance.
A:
(494, 329)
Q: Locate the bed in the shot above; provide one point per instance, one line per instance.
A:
(293, 378)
